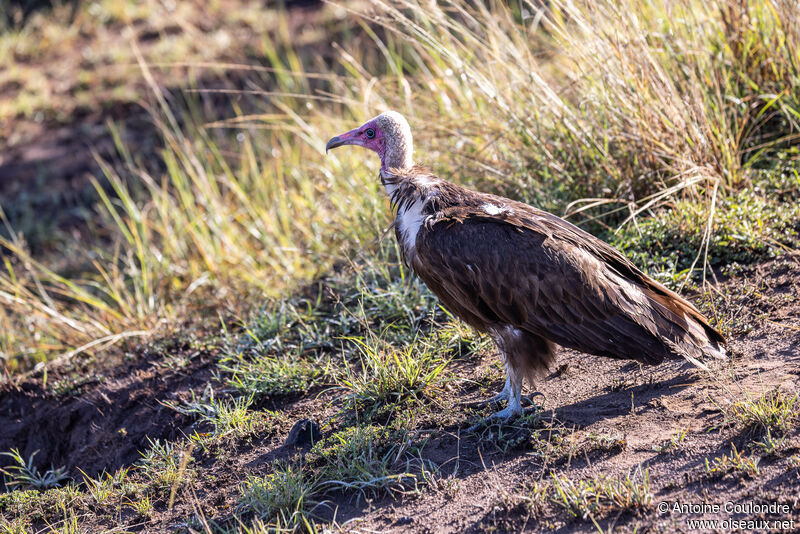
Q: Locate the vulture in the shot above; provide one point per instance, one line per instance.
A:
(529, 279)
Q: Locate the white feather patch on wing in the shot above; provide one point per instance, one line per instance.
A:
(491, 209)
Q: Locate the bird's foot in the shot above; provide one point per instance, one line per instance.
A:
(504, 415)
(528, 401)
(500, 397)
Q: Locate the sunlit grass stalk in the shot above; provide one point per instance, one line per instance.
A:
(631, 104)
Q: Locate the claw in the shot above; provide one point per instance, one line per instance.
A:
(503, 396)
(511, 411)
(500, 397)
(511, 393)
(503, 416)
(506, 414)
(528, 400)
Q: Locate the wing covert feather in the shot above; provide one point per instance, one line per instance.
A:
(523, 277)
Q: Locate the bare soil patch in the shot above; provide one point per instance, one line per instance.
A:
(100, 421)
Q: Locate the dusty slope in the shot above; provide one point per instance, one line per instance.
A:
(610, 417)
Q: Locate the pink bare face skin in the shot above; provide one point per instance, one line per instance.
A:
(367, 135)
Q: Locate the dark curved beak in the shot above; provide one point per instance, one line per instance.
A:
(334, 142)
(347, 138)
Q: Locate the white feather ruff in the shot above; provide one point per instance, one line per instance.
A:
(409, 220)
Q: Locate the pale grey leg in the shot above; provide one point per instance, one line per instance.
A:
(514, 407)
(503, 395)
(512, 392)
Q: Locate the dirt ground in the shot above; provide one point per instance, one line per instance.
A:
(613, 416)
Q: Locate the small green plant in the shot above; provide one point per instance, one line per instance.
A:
(101, 489)
(607, 442)
(16, 526)
(143, 506)
(773, 410)
(589, 498)
(164, 465)
(68, 524)
(227, 417)
(268, 375)
(550, 443)
(519, 433)
(33, 506)
(458, 339)
(389, 375)
(360, 459)
(534, 496)
(285, 495)
(672, 444)
(19, 504)
(307, 525)
(104, 487)
(735, 462)
(24, 474)
(770, 445)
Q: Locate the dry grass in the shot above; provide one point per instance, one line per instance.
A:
(607, 110)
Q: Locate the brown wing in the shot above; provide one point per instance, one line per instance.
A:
(680, 309)
(527, 271)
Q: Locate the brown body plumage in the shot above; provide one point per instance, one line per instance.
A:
(531, 279)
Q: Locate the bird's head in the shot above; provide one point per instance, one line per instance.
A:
(388, 135)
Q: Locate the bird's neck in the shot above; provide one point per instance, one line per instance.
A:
(389, 181)
(397, 166)
(406, 186)
(409, 191)
(396, 183)
(397, 155)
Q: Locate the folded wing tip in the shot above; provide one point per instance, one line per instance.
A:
(716, 351)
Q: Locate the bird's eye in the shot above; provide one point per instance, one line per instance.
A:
(370, 133)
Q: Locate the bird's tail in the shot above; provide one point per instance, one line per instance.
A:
(696, 339)
(699, 343)
(715, 350)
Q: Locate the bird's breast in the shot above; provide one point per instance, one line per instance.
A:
(410, 219)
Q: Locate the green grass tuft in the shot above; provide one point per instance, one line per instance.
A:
(285, 496)
(672, 444)
(271, 376)
(30, 506)
(734, 462)
(593, 497)
(746, 228)
(361, 460)
(772, 411)
(388, 376)
(22, 474)
(166, 465)
(104, 489)
(226, 417)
